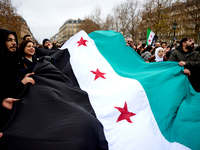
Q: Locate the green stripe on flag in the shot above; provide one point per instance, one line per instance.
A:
(148, 33)
(174, 103)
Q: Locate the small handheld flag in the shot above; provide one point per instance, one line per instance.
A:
(151, 37)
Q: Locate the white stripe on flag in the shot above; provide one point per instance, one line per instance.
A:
(113, 91)
(151, 36)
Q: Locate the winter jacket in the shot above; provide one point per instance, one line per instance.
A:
(27, 66)
(10, 77)
(192, 59)
(146, 55)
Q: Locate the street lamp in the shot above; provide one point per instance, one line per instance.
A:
(174, 27)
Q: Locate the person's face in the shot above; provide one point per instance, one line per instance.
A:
(190, 44)
(29, 49)
(164, 45)
(11, 43)
(160, 53)
(47, 43)
(157, 45)
(130, 41)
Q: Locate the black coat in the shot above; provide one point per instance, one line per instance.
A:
(192, 59)
(26, 66)
(10, 76)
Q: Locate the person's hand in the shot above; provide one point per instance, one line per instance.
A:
(1, 134)
(182, 63)
(50, 46)
(8, 102)
(187, 72)
(28, 79)
(139, 44)
(175, 42)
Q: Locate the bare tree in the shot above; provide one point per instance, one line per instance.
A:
(89, 26)
(159, 15)
(120, 13)
(157, 12)
(96, 16)
(108, 24)
(9, 19)
(93, 21)
(191, 11)
(124, 18)
(133, 18)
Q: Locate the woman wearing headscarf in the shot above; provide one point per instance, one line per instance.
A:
(159, 55)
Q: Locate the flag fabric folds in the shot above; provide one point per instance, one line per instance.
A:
(53, 115)
(101, 90)
(151, 37)
(141, 105)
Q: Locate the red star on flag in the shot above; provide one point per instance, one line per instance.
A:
(98, 74)
(125, 114)
(82, 42)
(149, 40)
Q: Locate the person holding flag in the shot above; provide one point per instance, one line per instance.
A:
(11, 80)
(189, 59)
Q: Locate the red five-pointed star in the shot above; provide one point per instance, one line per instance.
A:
(125, 114)
(98, 74)
(82, 42)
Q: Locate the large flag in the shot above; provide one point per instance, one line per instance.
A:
(141, 105)
(53, 115)
(151, 37)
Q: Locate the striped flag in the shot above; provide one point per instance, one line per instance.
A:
(141, 105)
(151, 37)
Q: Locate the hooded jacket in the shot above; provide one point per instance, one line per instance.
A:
(10, 76)
(192, 59)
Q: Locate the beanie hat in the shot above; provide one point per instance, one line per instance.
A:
(45, 41)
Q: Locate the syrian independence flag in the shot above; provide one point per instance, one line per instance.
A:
(141, 105)
(151, 37)
(53, 114)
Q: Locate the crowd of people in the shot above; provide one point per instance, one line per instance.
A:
(185, 52)
(18, 61)
(17, 64)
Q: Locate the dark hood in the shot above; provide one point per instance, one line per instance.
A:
(5, 55)
(3, 36)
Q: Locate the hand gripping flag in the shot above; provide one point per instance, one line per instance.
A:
(141, 105)
(53, 115)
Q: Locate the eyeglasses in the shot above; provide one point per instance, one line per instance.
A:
(130, 41)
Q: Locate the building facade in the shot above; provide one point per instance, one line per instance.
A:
(67, 30)
(187, 16)
(25, 30)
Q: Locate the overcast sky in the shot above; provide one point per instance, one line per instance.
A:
(45, 17)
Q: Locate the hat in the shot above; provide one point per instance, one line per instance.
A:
(45, 41)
